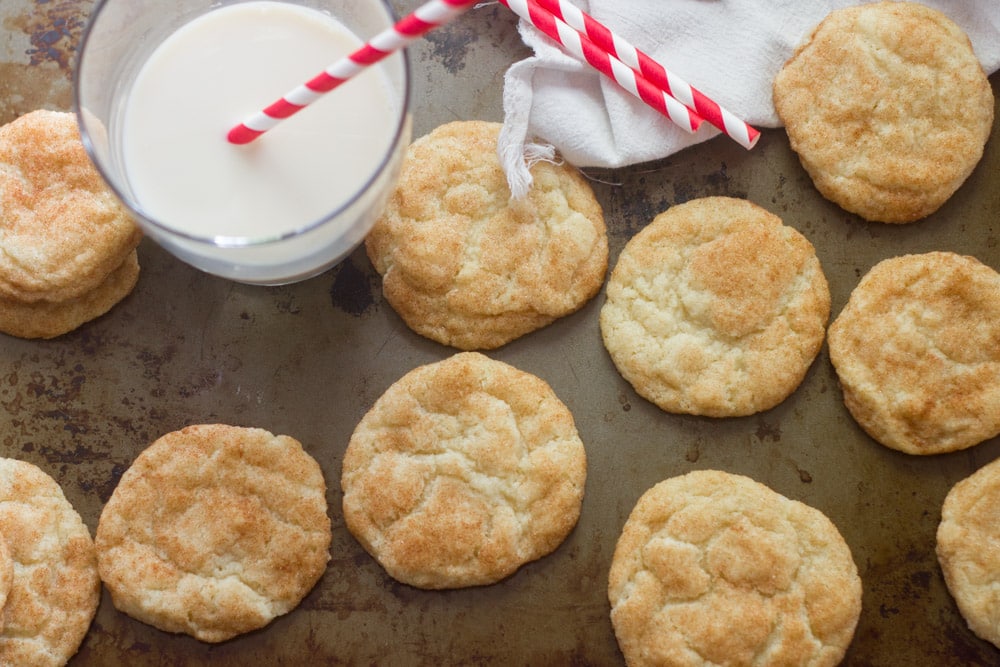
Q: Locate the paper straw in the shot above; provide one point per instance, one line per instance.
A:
(673, 85)
(414, 25)
(580, 46)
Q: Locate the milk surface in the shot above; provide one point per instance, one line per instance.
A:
(212, 73)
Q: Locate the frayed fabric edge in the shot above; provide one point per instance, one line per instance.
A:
(512, 143)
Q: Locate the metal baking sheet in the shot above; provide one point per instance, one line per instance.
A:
(309, 359)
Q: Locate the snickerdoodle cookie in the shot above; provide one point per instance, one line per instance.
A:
(67, 245)
(968, 549)
(715, 308)
(887, 107)
(214, 531)
(713, 568)
(917, 352)
(466, 265)
(55, 589)
(462, 471)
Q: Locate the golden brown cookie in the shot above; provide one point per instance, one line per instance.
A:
(968, 549)
(48, 319)
(461, 472)
(55, 589)
(917, 352)
(715, 308)
(465, 265)
(887, 107)
(714, 568)
(62, 230)
(214, 531)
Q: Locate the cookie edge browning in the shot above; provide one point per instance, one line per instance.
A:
(48, 319)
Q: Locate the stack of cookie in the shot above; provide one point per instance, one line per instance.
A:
(67, 245)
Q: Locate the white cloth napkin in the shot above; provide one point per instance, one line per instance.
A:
(731, 50)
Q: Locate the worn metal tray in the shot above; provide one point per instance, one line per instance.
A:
(309, 359)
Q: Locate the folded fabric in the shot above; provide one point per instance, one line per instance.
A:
(729, 49)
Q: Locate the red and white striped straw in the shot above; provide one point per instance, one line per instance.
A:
(579, 45)
(414, 25)
(673, 85)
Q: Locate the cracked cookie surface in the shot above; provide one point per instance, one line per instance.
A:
(713, 568)
(215, 530)
(465, 265)
(461, 472)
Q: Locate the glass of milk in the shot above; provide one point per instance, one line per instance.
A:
(159, 85)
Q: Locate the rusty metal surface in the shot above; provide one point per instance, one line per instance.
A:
(309, 359)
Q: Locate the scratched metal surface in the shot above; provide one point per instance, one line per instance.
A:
(309, 359)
